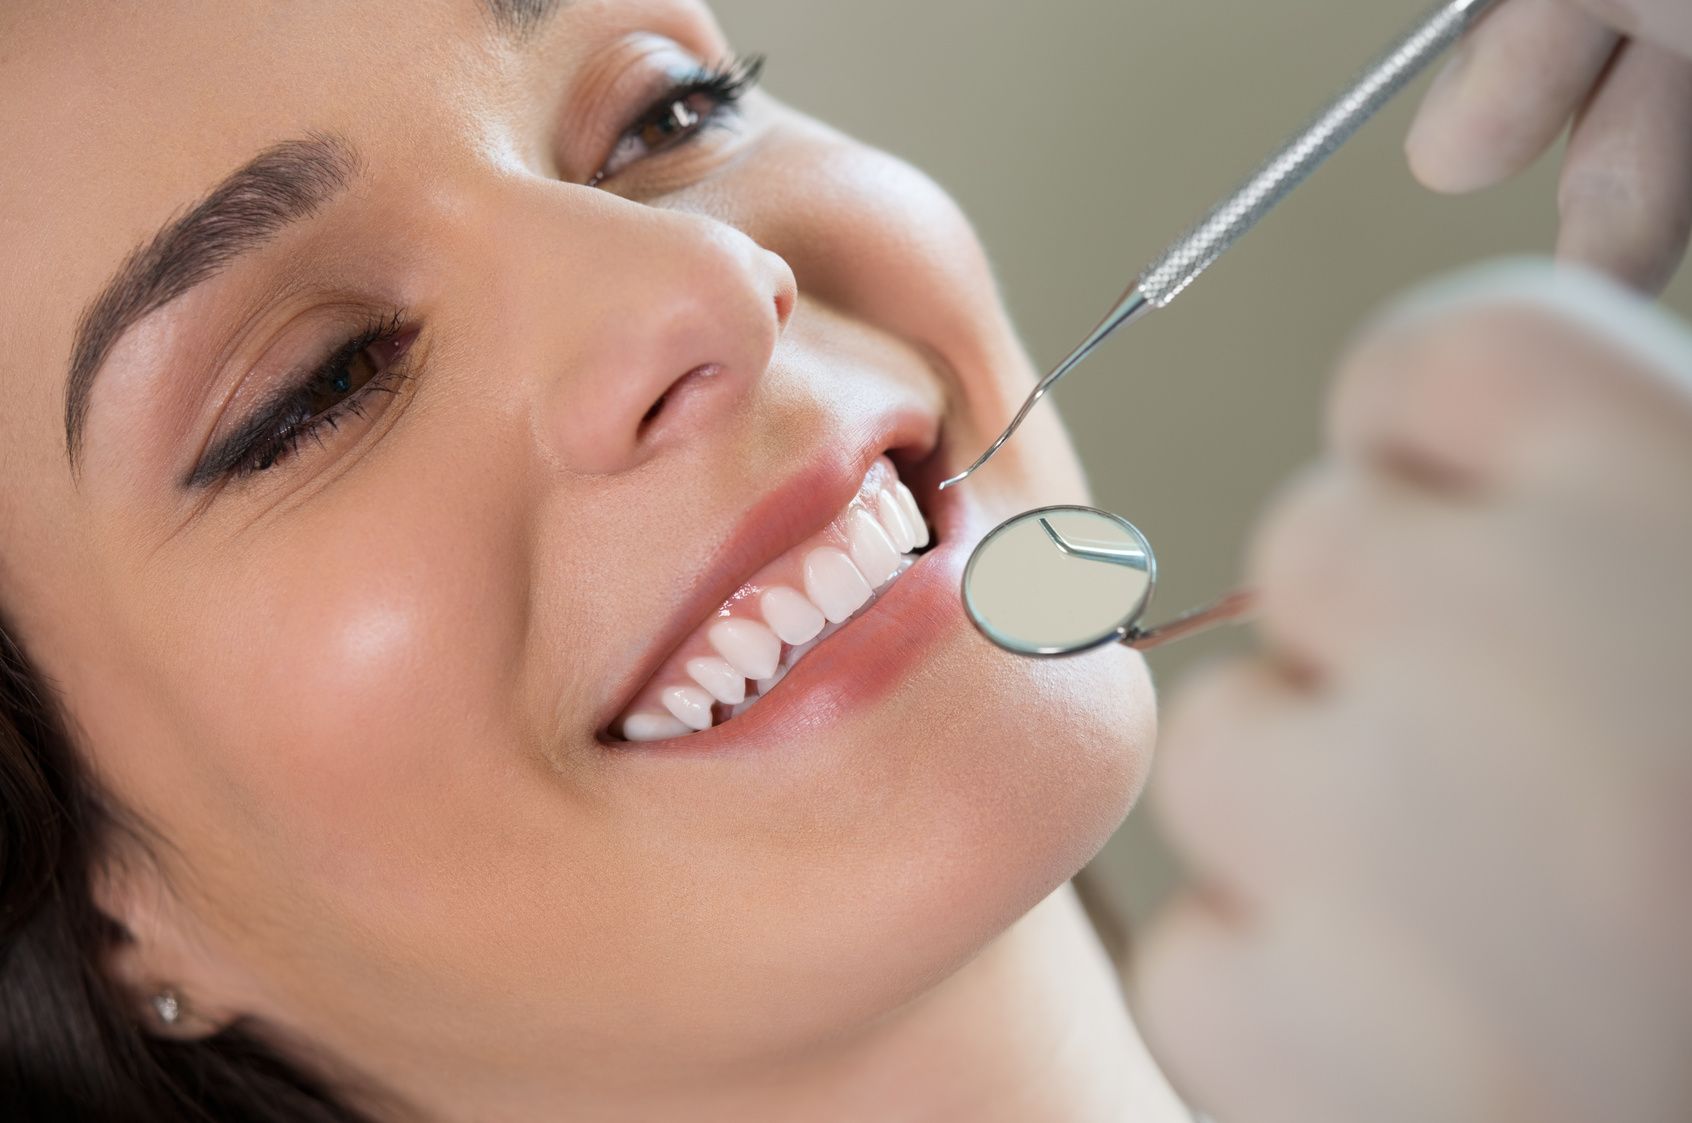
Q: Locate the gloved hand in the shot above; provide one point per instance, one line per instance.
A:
(1442, 829)
(1621, 70)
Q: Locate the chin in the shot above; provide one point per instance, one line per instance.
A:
(902, 796)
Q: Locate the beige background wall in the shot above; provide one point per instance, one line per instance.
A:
(1082, 136)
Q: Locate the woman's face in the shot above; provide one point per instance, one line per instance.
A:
(353, 512)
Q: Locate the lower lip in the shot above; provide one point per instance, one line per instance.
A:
(861, 662)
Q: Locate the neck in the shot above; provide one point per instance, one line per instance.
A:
(1034, 1030)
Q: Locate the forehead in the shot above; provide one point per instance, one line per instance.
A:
(119, 115)
(173, 80)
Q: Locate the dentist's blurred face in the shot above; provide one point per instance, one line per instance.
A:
(411, 476)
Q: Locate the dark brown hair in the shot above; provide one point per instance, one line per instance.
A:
(71, 1044)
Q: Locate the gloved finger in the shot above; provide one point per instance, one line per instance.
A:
(1207, 997)
(1667, 23)
(1443, 402)
(1362, 581)
(1258, 773)
(1516, 377)
(1347, 560)
(1626, 191)
(1252, 785)
(1318, 1013)
(1514, 83)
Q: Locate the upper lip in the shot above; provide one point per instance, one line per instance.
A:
(793, 510)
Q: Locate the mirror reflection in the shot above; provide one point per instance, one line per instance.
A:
(1059, 580)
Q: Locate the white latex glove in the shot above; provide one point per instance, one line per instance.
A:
(1442, 830)
(1621, 70)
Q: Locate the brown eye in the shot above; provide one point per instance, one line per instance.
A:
(681, 115)
(676, 121)
(336, 385)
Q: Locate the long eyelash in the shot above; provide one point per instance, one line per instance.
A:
(725, 83)
(277, 431)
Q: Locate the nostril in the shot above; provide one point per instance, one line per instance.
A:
(652, 414)
(675, 395)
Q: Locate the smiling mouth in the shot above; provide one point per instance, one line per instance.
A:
(779, 616)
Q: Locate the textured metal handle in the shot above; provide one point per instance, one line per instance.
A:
(1182, 262)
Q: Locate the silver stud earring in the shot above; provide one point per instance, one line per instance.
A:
(166, 1007)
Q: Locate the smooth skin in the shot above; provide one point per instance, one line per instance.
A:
(1439, 828)
(352, 706)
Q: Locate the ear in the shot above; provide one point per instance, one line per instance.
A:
(160, 959)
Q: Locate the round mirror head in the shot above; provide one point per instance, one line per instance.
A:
(1059, 580)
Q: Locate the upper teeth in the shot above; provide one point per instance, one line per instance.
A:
(837, 585)
(834, 584)
(793, 618)
(749, 647)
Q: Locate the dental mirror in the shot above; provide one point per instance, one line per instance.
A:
(1063, 580)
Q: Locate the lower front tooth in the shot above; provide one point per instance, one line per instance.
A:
(726, 684)
(834, 584)
(691, 705)
(654, 727)
(765, 685)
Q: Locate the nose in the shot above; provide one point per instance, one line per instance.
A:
(655, 325)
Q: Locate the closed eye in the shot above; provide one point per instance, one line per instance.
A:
(339, 389)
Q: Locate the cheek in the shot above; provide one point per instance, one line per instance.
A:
(897, 252)
(1035, 765)
(364, 672)
(1020, 769)
(905, 257)
(1052, 754)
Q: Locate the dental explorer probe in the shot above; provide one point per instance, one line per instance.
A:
(1164, 279)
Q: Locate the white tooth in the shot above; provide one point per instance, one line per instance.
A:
(895, 521)
(750, 648)
(765, 685)
(653, 727)
(872, 549)
(726, 684)
(834, 584)
(795, 619)
(691, 705)
(915, 513)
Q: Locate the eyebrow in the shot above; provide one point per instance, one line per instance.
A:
(280, 186)
(522, 18)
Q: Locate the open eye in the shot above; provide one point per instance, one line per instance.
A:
(681, 114)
